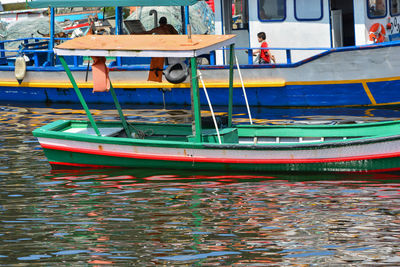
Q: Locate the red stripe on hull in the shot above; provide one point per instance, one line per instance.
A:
(216, 160)
(82, 165)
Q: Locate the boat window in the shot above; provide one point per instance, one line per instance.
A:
(395, 7)
(274, 10)
(376, 8)
(239, 15)
(308, 9)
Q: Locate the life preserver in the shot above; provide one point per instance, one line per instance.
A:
(176, 73)
(20, 69)
(377, 33)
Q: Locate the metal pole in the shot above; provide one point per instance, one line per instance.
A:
(183, 20)
(79, 94)
(230, 105)
(196, 100)
(118, 28)
(118, 20)
(187, 20)
(121, 114)
(288, 56)
(51, 41)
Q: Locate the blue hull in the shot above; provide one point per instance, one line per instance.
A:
(384, 93)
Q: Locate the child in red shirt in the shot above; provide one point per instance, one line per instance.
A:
(264, 55)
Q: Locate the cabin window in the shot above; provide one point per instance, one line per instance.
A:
(376, 8)
(274, 10)
(308, 9)
(395, 7)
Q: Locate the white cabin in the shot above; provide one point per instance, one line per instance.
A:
(305, 24)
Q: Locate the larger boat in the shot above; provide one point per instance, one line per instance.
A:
(328, 53)
(364, 147)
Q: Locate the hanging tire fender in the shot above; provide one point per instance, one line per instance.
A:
(176, 73)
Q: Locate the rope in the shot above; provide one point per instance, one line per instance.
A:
(244, 90)
(141, 134)
(209, 104)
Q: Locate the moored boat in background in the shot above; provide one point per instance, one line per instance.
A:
(326, 56)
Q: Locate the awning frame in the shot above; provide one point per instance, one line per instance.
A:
(108, 3)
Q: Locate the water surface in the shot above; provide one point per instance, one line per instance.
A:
(168, 218)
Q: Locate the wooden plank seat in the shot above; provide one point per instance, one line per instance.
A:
(109, 131)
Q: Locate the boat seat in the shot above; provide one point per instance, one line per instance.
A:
(228, 136)
(109, 131)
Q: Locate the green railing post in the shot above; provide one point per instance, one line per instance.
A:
(78, 92)
(230, 105)
(121, 114)
(196, 100)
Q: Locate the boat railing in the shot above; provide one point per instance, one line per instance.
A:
(288, 52)
(37, 49)
(211, 58)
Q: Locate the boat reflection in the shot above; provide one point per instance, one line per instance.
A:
(205, 218)
(219, 177)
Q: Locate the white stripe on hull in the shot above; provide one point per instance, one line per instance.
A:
(371, 149)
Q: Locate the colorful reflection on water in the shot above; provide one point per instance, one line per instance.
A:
(153, 217)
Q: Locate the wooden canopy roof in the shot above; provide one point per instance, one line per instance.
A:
(143, 45)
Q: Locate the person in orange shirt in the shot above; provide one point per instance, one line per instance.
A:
(164, 28)
(264, 56)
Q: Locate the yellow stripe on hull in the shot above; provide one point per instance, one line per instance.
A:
(277, 83)
(369, 94)
(271, 83)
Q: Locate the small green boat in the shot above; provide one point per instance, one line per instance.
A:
(362, 147)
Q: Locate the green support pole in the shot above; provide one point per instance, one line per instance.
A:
(78, 92)
(121, 114)
(196, 100)
(230, 105)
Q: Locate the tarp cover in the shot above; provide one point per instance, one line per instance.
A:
(108, 3)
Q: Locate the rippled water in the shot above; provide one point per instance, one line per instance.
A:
(166, 218)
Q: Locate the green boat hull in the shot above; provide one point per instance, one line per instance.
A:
(64, 159)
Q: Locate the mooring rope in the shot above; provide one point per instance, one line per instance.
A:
(209, 104)
(244, 90)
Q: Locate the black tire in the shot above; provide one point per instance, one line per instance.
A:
(176, 73)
